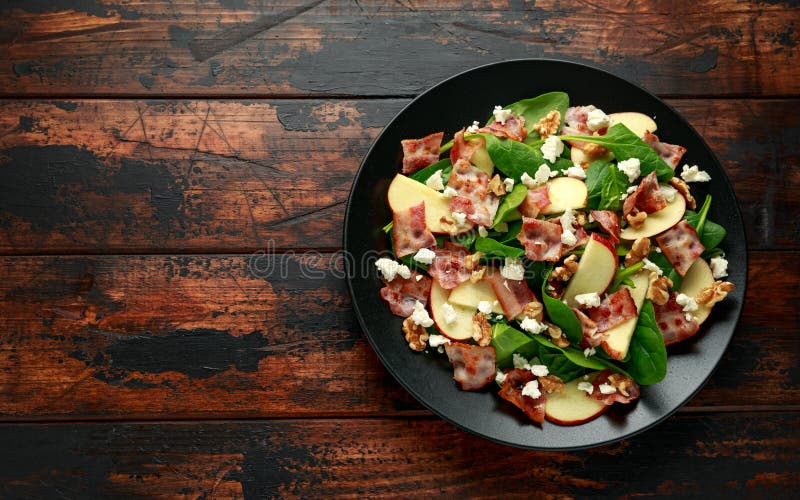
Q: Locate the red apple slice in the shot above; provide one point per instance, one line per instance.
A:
(573, 406)
(638, 123)
(618, 338)
(564, 193)
(596, 269)
(698, 276)
(469, 294)
(658, 221)
(404, 193)
(461, 328)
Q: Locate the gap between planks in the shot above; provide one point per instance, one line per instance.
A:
(345, 97)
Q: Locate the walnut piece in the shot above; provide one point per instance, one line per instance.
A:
(718, 290)
(477, 275)
(571, 263)
(621, 383)
(533, 310)
(551, 383)
(580, 218)
(471, 261)
(416, 335)
(556, 335)
(496, 186)
(639, 250)
(548, 125)
(658, 291)
(637, 220)
(565, 272)
(448, 224)
(481, 330)
(683, 189)
(592, 150)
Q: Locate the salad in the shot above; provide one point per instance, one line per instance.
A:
(552, 254)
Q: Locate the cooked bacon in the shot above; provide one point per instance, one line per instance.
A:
(462, 149)
(534, 202)
(541, 239)
(512, 392)
(472, 185)
(647, 197)
(670, 153)
(681, 246)
(631, 387)
(591, 337)
(473, 366)
(419, 153)
(513, 295)
(581, 237)
(613, 310)
(576, 117)
(513, 128)
(449, 268)
(672, 321)
(609, 222)
(410, 232)
(401, 293)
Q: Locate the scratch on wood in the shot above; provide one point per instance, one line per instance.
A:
(288, 221)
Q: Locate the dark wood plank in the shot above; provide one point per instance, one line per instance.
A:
(209, 337)
(212, 176)
(737, 455)
(386, 47)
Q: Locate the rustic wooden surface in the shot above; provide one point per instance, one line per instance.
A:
(147, 149)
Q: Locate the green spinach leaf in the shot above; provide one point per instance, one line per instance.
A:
(576, 357)
(615, 183)
(508, 340)
(495, 248)
(562, 315)
(595, 174)
(648, 354)
(513, 158)
(510, 201)
(444, 165)
(509, 236)
(710, 233)
(666, 267)
(536, 108)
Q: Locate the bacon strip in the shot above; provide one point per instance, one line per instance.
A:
(681, 246)
(473, 366)
(647, 197)
(401, 294)
(449, 267)
(513, 295)
(591, 337)
(541, 239)
(609, 222)
(463, 150)
(512, 392)
(613, 310)
(670, 153)
(513, 128)
(575, 124)
(632, 388)
(474, 198)
(535, 201)
(672, 321)
(419, 153)
(410, 232)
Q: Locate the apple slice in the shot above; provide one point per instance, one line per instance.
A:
(564, 193)
(404, 193)
(658, 221)
(481, 159)
(596, 269)
(698, 276)
(573, 406)
(461, 328)
(638, 123)
(618, 338)
(469, 294)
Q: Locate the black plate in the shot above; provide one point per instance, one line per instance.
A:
(455, 103)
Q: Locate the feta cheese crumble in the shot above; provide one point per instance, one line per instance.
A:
(589, 351)
(586, 387)
(513, 270)
(569, 239)
(567, 220)
(437, 340)
(449, 192)
(539, 370)
(531, 389)
(419, 277)
(607, 389)
(688, 303)
(576, 172)
(473, 129)
(519, 361)
(597, 119)
(484, 307)
(501, 115)
(389, 269)
(552, 148)
(508, 183)
(450, 315)
(420, 315)
(668, 192)
(531, 325)
(500, 377)
(650, 266)
(482, 232)
(543, 174)
(588, 299)
(719, 267)
(528, 180)
(424, 256)
(460, 218)
(435, 181)
(630, 167)
(694, 174)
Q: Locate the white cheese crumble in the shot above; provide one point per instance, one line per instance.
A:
(502, 227)
(539, 370)
(719, 267)
(586, 387)
(389, 269)
(576, 172)
(513, 270)
(597, 119)
(501, 115)
(688, 303)
(450, 315)
(420, 315)
(650, 266)
(532, 325)
(630, 167)
(588, 299)
(449, 192)
(543, 174)
(419, 277)
(424, 256)
(508, 183)
(460, 218)
(528, 180)
(531, 389)
(484, 307)
(552, 148)
(694, 174)
(435, 181)
(567, 220)
(569, 239)
(437, 340)
(482, 232)
(519, 361)
(500, 377)
(658, 250)
(607, 389)
(589, 351)
(473, 129)
(668, 192)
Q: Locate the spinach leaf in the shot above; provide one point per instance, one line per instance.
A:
(536, 108)
(558, 364)
(562, 315)
(615, 183)
(669, 271)
(509, 236)
(510, 201)
(622, 275)
(710, 233)
(508, 340)
(625, 145)
(513, 158)
(388, 227)
(576, 357)
(648, 354)
(444, 165)
(497, 249)
(466, 239)
(595, 174)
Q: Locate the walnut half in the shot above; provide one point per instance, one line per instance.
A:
(637, 220)
(658, 291)
(551, 383)
(481, 330)
(496, 186)
(718, 290)
(639, 250)
(683, 189)
(621, 383)
(548, 125)
(533, 310)
(556, 335)
(416, 335)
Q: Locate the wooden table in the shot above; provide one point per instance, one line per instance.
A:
(148, 149)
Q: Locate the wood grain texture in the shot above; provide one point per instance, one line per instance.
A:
(738, 455)
(97, 176)
(212, 337)
(345, 47)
